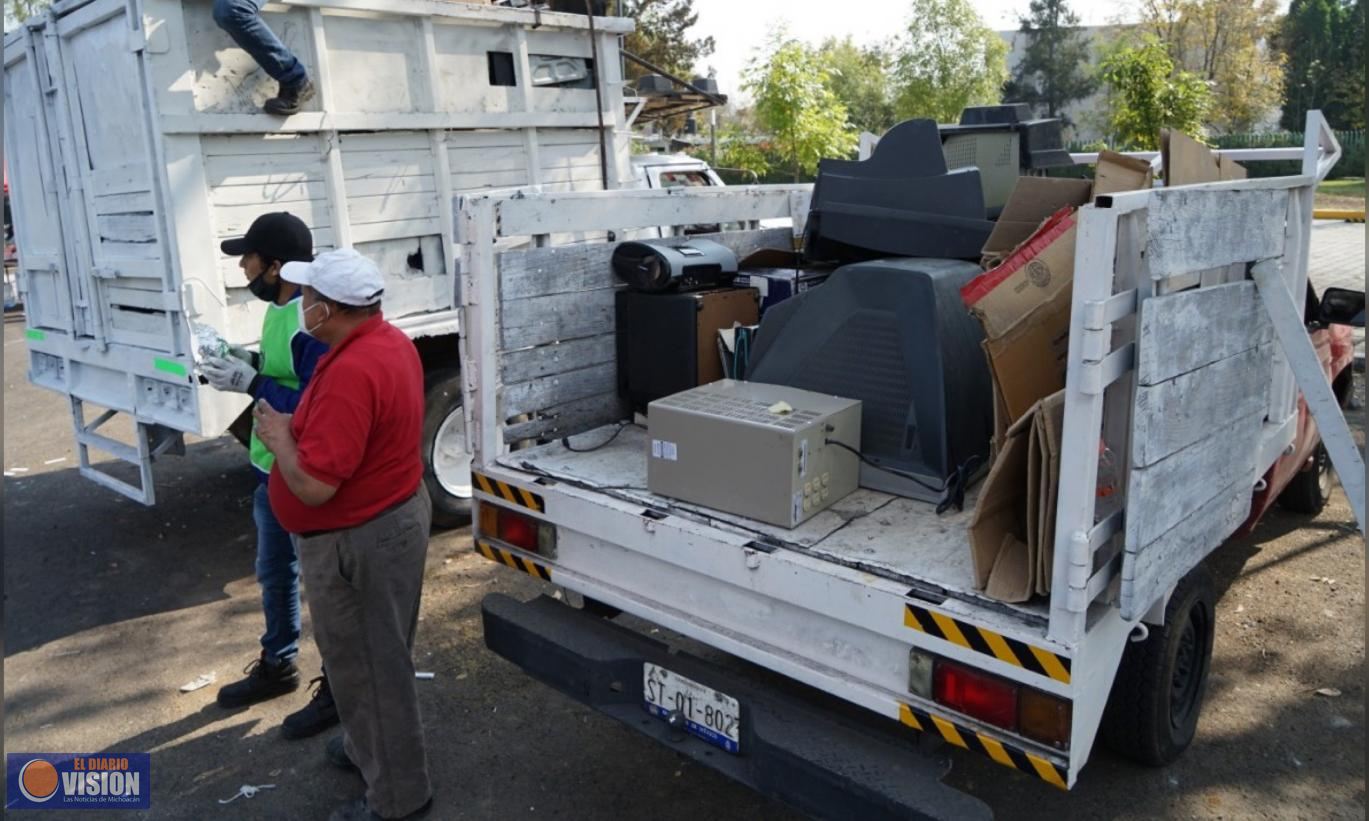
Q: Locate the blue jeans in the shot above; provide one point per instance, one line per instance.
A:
(278, 574)
(242, 20)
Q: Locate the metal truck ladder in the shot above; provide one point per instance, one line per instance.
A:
(153, 441)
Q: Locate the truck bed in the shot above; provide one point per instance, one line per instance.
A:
(888, 536)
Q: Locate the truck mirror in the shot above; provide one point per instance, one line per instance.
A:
(1342, 306)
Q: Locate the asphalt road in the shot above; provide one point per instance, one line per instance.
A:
(110, 607)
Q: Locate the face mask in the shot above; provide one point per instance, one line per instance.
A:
(263, 290)
(304, 316)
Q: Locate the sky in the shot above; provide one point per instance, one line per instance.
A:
(737, 26)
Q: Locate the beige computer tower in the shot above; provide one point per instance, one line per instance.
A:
(760, 451)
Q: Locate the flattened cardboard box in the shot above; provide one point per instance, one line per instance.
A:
(1115, 173)
(1024, 307)
(1012, 533)
(1187, 161)
(1033, 201)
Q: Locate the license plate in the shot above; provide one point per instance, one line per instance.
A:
(706, 713)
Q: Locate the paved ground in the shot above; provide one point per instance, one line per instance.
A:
(110, 607)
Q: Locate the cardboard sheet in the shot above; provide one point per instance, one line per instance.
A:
(1024, 307)
(1116, 172)
(1188, 162)
(1033, 201)
(1012, 533)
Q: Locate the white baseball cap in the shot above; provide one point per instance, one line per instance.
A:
(342, 275)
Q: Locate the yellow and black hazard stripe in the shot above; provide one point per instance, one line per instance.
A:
(499, 554)
(1002, 752)
(509, 493)
(983, 640)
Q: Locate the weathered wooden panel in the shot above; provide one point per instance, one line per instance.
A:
(540, 320)
(533, 363)
(234, 220)
(1164, 494)
(1185, 331)
(133, 228)
(1196, 230)
(558, 389)
(564, 270)
(388, 208)
(1148, 572)
(395, 229)
(642, 209)
(281, 191)
(570, 418)
(1172, 415)
(575, 268)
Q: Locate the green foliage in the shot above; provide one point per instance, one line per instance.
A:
(795, 105)
(948, 59)
(738, 150)
(662, 36)
(1227, 44)
(1346, 109)
(1054, 69)
(860, 79)
(1146, 93)
(21, 10)
(1307, 38)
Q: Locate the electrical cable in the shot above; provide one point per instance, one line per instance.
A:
(953, 486)
(565, 440)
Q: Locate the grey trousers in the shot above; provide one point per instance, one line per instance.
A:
(363, 586)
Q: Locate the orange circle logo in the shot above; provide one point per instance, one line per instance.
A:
(38, 780)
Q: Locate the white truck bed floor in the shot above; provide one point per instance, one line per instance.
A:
(888, 536)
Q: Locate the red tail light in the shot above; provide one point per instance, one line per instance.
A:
(988, 699)
(513, 528)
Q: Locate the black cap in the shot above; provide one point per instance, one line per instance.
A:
(279, 235)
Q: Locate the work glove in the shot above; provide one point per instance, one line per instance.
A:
(228, 373)
(239, 352)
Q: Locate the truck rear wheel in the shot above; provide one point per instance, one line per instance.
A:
(1308, 490)
(446, 456)
(1152, 712)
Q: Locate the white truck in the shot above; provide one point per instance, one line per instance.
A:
(135, 143)
(1187, 330)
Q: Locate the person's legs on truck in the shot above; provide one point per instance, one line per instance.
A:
(242, 20)
(364, 585)
(274, 673)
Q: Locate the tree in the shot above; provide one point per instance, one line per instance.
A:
(662, 36)
(1346, 109)
(860, 79)
(1228, 44)
(795, 104)
(1307, 37)
(1323, 44)
(947, 60)
(1054, 69)
(20, 10)
(1147, 93)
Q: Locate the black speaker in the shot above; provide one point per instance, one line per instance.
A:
(667, 343)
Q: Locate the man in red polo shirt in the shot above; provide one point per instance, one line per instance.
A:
(348, 483)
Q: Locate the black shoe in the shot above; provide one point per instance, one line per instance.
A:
(315, 717)
(358, 811)
(266, 679)
(289, 99)
(336, 753)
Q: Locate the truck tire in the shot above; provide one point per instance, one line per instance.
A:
(1152, 712)
(1306, 493)
(446, 458)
